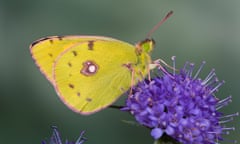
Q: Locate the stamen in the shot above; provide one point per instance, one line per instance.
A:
(226, 99)
(234, 141)
(229, 129)
(212, 82)
(56, 135)
(225, 121)
(229, 115)
(223, 105)
(216, 136)
(191, 67)
(224, 102)
(213, 132)
(199, 70)
(225, 132)
(230, 141)
(81, 139)
(185, 66)
(174, 65)
(209, 76)
(225, 139)
(220, 84)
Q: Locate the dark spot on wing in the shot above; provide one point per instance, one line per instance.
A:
(88, 99)
(74, 53)
(90, 45)
(78, 94)
(51, 41)
(69, 64)
(50, 54)
(71, 86)
(128, 66)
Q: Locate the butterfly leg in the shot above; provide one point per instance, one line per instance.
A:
(157, 63)
(149, 75)
(130, 68)
(132, 82)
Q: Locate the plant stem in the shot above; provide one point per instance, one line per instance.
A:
(165, 139)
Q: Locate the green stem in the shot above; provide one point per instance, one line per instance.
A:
(165, 139)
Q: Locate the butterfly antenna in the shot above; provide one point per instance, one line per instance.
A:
(169, 14)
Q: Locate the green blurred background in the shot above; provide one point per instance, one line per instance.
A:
(199, 30)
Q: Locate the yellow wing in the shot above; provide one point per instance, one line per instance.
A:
(91, 75)
(45, 51)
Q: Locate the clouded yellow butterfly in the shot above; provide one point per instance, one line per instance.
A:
(89, 73)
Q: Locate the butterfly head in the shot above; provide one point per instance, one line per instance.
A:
(145, 46)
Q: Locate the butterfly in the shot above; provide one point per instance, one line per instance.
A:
(89, 73)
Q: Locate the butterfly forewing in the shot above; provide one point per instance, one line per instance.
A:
(92, 75)
(45, 51)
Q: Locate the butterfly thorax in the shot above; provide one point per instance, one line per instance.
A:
(143, 49)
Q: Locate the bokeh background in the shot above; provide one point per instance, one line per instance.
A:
(198, 30)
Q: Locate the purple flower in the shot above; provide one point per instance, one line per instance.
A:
(181, 105)
(56, 138)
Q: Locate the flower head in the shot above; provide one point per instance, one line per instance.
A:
(56, 138)
(181, 105)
